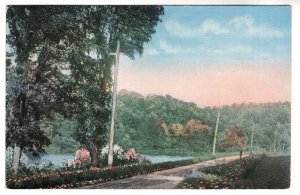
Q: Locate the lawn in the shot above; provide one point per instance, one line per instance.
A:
(263, 172)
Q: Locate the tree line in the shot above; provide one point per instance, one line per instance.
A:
(59, 63)
(165, 125)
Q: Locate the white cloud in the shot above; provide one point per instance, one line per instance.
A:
(264, 32)
(229, 50)
(246, 25)
(241, 22)
(151, 52)
(171, 49)
(212, 26)
(179, 30)
(207, 26)
(238, 26)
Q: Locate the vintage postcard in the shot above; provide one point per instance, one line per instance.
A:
(148, 96)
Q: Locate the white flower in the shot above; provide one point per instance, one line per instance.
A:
(104, 151)
(116, 150)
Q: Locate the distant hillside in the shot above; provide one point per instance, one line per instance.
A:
(125, 92)
(162, 124)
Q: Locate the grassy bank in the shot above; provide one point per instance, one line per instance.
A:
(264, 172)
(74, 178)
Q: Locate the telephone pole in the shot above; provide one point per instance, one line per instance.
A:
(114, 101)
(216, 133)
(274, 144)
(252, 141)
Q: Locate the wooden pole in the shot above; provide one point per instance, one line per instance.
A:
(216, 133)
(114, 101)
(274, 144)
(252, 141)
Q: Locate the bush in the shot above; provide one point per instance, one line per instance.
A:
(261, 172)
(271, 172)
(121, 157)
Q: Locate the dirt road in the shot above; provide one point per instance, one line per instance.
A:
(166, 179)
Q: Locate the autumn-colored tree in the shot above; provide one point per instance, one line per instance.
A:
(234, 138)
(196, 126)
(178, 129)
(165, 128)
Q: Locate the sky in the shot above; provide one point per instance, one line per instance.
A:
(215, 55)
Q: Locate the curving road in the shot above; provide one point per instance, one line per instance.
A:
(166, 179)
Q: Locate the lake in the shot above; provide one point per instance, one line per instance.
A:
(58, 159)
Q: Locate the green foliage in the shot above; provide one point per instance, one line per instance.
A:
(90, 64)
(60, 132)
(142, 123)
(62, 64)
(268, 172)
(256, 173)
(39, 37)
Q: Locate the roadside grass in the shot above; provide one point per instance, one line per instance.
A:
(269, 173)
(80, 177)
(263, 172)
(208, 156)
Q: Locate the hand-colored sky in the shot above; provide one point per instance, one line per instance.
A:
(215, 55)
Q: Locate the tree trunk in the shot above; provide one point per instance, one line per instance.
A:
(241, 154)
(16, 159)
(94, 155)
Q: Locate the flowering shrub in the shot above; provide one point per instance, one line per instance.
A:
(121, 157)
(117, 151)
(82, 155)
(131, 154)
(82, 158)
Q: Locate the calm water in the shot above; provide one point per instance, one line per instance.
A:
(58, 159)
(158, 159)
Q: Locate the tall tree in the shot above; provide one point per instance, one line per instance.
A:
(234, 138)
(79, 38)
(132, 26)
(40, 38)
(196, 126)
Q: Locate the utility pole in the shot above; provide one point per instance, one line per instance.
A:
(252, 141)
(216, 133)
(114, 102)
(274, 144)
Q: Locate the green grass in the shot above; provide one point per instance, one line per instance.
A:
(70, 178)
(264, 172)
(75, 178)
(269, 173)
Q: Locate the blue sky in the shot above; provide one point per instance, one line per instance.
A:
(216, 55)
(213, 34)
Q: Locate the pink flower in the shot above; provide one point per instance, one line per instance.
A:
(77, 162)
(131, 154)
(83, 155)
